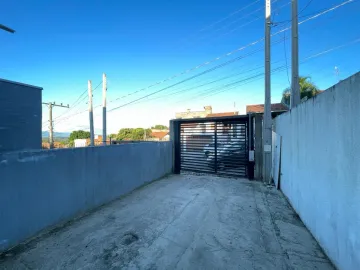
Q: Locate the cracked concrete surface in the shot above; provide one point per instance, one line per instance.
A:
(181, 222)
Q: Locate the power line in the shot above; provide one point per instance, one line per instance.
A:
(257, 18)
(286, 62)
(222, 88)
(283, 67)
(319, 12)
(195, 67)
(234, 84)
(208, 62)
(191, 69)
(216, 59)
(228, 16)
(238, 19)
(198, 86)
(51, 127)
(307, 5)
(185, 80)
(316, 15)
(212, 81)
(78, 101)
(182, 90)
(333, 49)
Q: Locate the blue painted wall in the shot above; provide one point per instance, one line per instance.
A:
(42, 188)
(20, 116)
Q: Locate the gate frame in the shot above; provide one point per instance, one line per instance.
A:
(175, 130)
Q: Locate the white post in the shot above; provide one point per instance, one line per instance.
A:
(295, 86)
(104, 108)
(51, 127)
(267, 125)
(91, 117)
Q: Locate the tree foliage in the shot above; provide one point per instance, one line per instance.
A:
(78, 134)
(133, 134)
(307, 89)
(160, 127)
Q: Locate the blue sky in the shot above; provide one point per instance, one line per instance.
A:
(60, 45)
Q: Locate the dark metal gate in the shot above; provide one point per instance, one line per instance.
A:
(214, 145)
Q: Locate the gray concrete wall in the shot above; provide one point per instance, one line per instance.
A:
(42, 188)
(320, 167)
(20, 116)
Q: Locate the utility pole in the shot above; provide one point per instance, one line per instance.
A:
(295, 86)
(267, 123)
(91, 116)
(104, 108)
(51, 127)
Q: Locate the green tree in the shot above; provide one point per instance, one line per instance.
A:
(78, 134)
(160, 127)
(307, 89)
(125, 134)
(133, 134)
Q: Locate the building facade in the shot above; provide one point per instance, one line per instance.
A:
(194, 114)
(20, 116)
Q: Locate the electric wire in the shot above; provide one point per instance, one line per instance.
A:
(215, 59)
(211, 61)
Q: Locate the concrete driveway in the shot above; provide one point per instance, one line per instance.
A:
(181, 222)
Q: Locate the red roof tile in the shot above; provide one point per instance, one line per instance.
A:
(259, 108)
(159, 134)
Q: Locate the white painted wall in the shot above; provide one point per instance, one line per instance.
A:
(320, 166)
(80, 142)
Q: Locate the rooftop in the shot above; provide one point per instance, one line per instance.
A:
(259, 108)
(159, 134)
(21, 84)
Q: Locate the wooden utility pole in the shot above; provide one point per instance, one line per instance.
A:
(91, 115)
(295, 86)
(51, 126)
(267, 124)
(104, 108)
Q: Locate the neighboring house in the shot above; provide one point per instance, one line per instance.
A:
(196, 114)
(160, 135)
(98, 140)
(276, 108)
(207, 112)
(46, 145)
(86, 142)
(80, 142)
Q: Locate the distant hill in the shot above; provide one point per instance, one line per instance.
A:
(45, 134)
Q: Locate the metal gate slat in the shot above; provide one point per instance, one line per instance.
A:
(214, 146)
